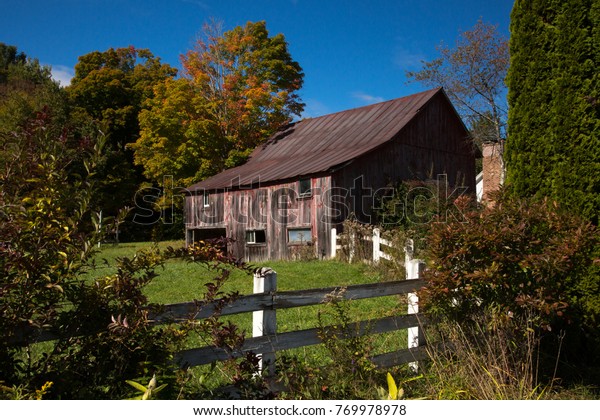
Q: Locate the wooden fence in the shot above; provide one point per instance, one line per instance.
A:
(267, 300)
(375, 239)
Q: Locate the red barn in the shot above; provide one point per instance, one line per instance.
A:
(314, 173)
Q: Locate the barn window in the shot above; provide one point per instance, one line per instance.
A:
(304, 188)
(256, 237)
(205, 199)
(299, 236)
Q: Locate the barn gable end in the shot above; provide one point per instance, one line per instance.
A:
(306, 178)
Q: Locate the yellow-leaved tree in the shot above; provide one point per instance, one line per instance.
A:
(238, 88)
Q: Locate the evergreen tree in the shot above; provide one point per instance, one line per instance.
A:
(553, 146)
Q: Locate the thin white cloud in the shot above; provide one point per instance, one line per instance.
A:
(368, 99)
(314, 108)
(201, 4)
(62, 74)
(406, 59)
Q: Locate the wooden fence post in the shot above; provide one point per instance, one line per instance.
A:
(376, 244)
(265, 322)
(414, 269)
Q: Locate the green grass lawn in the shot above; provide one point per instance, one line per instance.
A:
(180, 281)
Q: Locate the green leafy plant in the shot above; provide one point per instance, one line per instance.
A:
(100, 327)
(392, 392)
(353, 245)
(147, 392)
(349, 346)
(349, 349)
(409, 208)
(511, 280)
(395, 391)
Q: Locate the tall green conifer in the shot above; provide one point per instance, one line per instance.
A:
(553, 146)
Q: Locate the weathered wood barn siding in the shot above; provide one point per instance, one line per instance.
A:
(274, 209)
(348, 157)
(434, 143)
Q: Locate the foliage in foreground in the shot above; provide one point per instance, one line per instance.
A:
(101, 332)
(517, 283)
(531, 274)
(346, 372)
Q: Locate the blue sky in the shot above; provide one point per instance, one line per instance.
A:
(353, 52)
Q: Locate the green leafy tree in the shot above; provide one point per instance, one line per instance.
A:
(110, 88)
(239, 88)
(26, 87)
(554, 95)
(108, 93)
(177, 136)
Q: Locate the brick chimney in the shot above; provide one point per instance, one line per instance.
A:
(493, 169)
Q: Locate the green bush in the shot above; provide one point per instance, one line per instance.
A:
(411, 207)
(524, 267)
(101, 332)
(48, 233)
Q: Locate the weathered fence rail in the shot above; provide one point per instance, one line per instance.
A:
(179, 312)
(267, 300)
(266, 341)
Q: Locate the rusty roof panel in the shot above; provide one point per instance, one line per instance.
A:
(316, 145)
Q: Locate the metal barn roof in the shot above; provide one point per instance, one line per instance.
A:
(317, 145)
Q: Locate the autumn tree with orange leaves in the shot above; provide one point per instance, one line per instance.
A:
(238, 88)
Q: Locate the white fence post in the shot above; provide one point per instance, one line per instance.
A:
(99, 226)
(351, 246)
(265, 322)
(333, 250)
(414, 269)
(376, 244)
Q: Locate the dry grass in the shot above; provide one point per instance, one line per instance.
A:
(483, 362)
